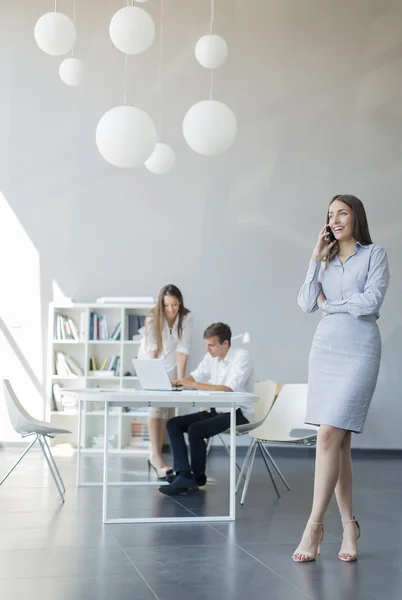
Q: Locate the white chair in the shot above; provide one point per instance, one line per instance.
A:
(267, 391)
(284, 424)
(26, 425)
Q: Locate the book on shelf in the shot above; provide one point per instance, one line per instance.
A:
(65, 328)
(135, 323)
(65, 365)
(98, 441)
(57, 397)
(98, 329)
(60, 401)
(109, 365)
(116, 333)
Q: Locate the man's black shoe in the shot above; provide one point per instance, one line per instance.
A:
(181, 486)
(171, 477)
(200, 479)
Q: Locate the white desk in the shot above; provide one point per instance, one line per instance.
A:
(187, 398)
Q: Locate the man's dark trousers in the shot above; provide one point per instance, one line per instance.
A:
(199, 426)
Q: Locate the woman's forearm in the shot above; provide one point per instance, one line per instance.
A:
(181, 361)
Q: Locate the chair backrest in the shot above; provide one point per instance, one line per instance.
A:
(266, 390)
(20, 419)
(285, 422)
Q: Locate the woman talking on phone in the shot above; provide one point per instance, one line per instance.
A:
(167, 335)
(347, 280)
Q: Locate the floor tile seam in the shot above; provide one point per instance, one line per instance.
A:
(275, 572)
(267, 567)
(135, 567)
(195, 515)
(51, 577)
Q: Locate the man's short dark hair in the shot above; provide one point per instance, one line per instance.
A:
(219, 330)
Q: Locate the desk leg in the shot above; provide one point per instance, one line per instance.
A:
(79, 443)
(105, 462)
(232, 491)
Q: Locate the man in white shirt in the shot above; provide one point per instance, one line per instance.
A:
(229, 370)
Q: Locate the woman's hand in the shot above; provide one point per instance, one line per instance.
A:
(322, 246)
(321, 297)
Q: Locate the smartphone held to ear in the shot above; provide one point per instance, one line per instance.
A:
(330, 235)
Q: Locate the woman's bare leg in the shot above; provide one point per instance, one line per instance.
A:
(344, 498)
(157, 428)
(327, 465)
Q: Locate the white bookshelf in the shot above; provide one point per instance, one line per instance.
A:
(128, 430)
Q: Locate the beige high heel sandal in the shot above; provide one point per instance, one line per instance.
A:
(161, 473)
(310, 555)
(350, 555)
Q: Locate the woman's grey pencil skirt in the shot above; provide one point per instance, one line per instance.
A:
(343, 369)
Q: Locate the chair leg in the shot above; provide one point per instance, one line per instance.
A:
(275, 466)
(268, 469)
(250, 468)
(63, 487)
(227, 449)
(19, 460)
(49, 464)
(244, 465)
(209, 444)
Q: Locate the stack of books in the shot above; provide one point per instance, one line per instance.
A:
(65, 365)
(65, 328)
(97, 327)
(109, 366)
(61, 402)
(99, 440)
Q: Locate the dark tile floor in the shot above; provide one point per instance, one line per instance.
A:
(53, 552)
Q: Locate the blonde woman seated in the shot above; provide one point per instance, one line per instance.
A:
(167, 335)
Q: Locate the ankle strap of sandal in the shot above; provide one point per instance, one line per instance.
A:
(354, 520)
(316, 523)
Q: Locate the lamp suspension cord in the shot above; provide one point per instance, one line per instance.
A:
(160, 82)
(211, 30)
(126, 66)
(125, 79)
(72, 49)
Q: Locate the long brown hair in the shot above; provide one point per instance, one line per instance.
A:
(360, 228)
(157, 313)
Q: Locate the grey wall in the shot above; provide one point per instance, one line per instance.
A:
(317, 89)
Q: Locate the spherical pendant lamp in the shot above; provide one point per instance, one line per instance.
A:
(210, 127)
(126, 136)
(71, 71)
(55, 33)
(161, 159)
(211, 51)
(132, 30)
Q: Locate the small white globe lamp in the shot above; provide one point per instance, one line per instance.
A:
(210, 127)
(126, 136)
(161, 160)
(211, 51)
(132, 30)
(71, 71)
(55, 33)
(245, 338)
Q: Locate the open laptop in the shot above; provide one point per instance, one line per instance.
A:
(153, 375)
